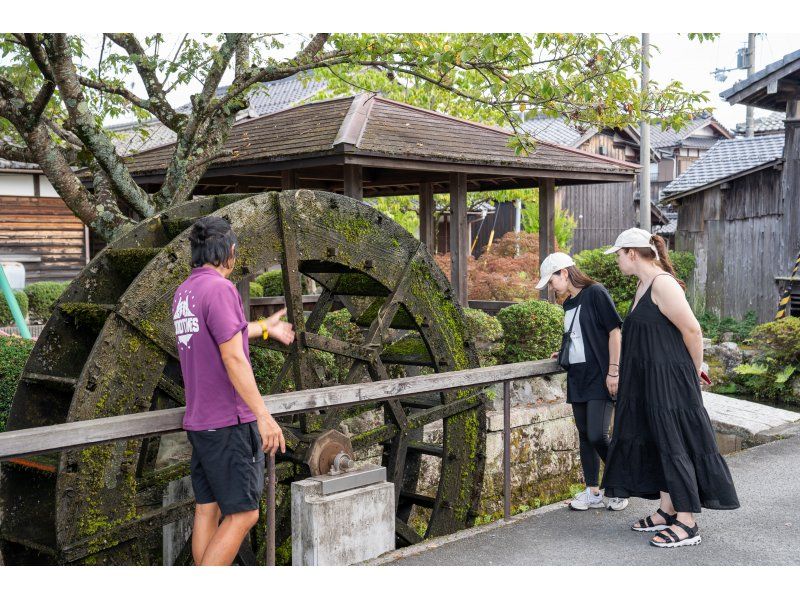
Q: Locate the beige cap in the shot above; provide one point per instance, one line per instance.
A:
(633, 237)
(552, 264)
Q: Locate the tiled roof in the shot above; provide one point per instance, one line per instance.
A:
(374, 126)
(727, 158)
(765, 125)
(555, 130)
(13, 165)
(754, 90)
(264, 99)
(660, 138)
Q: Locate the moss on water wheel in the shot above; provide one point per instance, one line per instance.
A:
(109, 349)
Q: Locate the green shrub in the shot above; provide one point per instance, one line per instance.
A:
(256, 290)
(531, 330)
(42, 296)
(266, 365)
(6, 319)
(771, 373)
(14, 353)
(272, 283)
(714, 328)
(603, 268)
(485, 331)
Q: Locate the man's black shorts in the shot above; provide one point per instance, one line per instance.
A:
(228, 467)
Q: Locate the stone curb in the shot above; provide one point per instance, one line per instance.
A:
(457, 536)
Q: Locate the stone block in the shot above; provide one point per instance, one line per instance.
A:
(343, 528)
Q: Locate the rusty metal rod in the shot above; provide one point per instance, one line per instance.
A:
(507, 449)
(271, 510)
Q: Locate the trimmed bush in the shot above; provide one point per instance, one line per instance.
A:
(603, 268)
(531, 330)
(14, 353)
(42, 296)
(714, 328)
(6, 319)
(256, 290)
(272, 283)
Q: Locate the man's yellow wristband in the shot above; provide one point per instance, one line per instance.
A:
(264, 331)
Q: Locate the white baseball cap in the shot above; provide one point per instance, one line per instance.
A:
(552, 264)
(633, 237)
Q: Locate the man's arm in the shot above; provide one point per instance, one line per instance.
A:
(280, 331)
(241, 376)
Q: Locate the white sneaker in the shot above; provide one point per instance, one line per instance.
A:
(587, 500)
(617, 504)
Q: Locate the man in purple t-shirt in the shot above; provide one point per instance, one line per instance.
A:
(226, 420)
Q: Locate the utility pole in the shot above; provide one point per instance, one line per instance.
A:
(751, 68)
(644, 142)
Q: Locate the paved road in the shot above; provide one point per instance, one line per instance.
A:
(762, 532)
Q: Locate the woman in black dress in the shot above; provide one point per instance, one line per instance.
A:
(663, 445)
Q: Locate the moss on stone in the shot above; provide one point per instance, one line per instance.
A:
(89, 316)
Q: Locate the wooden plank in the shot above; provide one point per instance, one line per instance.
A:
(32, 441)
(427, 218)
(353, 181)
(547, 223)
(288, 179)
(459, 236)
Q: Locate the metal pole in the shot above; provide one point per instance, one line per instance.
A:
(644, 147)
(507, 450)
(19, 319)
(271, 510)
(751, 68)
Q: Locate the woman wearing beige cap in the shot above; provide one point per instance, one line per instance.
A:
(663, 446)
(592, 323)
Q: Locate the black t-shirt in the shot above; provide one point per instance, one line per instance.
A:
(588, 356)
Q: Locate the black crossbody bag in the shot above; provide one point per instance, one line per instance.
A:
(566, 343)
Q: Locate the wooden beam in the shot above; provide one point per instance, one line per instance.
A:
(79, 434)
(459, 236)
(353, 181)
(547, 222)
(427, 218)
(288, 179)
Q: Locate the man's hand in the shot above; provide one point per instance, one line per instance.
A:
(554, 356)
(271, 434)
(281, 331)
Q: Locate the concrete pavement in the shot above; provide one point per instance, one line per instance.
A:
(763, 531)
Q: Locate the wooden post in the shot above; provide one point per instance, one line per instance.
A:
(547, 222)
(243, 286)
(427, 218)
(288, 180)
(353, 181)
(459, 239)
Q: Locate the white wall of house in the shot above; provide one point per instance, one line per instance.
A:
(22, 185)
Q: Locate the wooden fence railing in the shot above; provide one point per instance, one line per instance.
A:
(80, 434)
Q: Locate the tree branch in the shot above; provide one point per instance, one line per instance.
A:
(85, 126)
(157, 103)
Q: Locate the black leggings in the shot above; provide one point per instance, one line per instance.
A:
(593, 419)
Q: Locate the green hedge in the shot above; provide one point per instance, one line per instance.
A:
(486, 331)
(6, 319)
(14, 353)
(531, 330)
(272, 283)
(603, 268)
(256, 290)
(42, 296)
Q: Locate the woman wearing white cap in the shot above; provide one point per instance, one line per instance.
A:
(592, 323)
(663, 445)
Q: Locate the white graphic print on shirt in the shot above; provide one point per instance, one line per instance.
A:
(185, 321)
(576, 352)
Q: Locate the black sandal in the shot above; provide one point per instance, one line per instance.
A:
(672, 540)
(647, 525)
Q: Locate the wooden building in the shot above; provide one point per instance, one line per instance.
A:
(731, 216)
(604, 211)
(36, 227)
(369, 146)
(777, 87)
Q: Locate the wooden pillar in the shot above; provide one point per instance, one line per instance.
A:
(353, 181)
(547, 222)
(427, 218)
(288, 180)
(459, 239)
(243, 286)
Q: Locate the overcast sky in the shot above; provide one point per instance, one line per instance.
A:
(677, 58)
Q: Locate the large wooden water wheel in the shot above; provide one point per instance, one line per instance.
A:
(109, 349)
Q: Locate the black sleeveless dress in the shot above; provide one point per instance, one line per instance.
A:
(662, 438)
